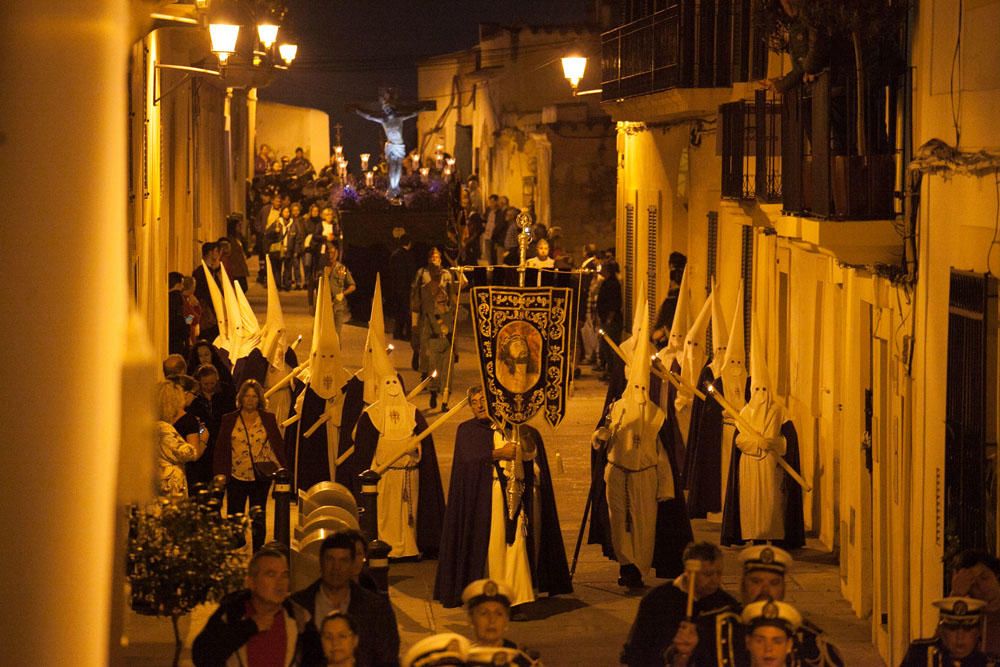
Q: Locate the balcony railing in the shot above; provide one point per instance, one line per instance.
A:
(682, 44)
(822, 174)
(751, 149)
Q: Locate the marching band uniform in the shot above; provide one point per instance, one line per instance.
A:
(955, 612)
(811, 646)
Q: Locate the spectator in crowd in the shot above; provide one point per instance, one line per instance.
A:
(494, 219)
(299, 166)
(236, 260)
(541, 260)
(436, 319)
(174, 365)
(402, 266)
(212, 400)
(276, 238)
(295, 243)
(475, 195)
(341, 283)
(266, 217)
(192, 310)
(178, 326)
(203, 353)
(609, 312)
(505, 221)
(976, 574)
(262, 160)
(211, 258)
(189, 426)
(258, 625)
(339, 636)
(511, 235)
(336, 590)
(173, 450)
(249, 443)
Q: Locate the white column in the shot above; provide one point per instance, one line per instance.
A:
(63, 308)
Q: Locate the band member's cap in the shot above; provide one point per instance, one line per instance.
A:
(446, 648)
(485, 590)
(492, 656)
(959, 611)
(765, 557)
(774, 613)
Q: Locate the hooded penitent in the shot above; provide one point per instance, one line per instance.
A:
(273, 339)
(678, 328)
(246, 328)
(375, 363)
(734, 369)
(693, 360)
(391, 413)
(219, 305)
(720, 332)
(634, 405)
(762, 411)
(326, 372)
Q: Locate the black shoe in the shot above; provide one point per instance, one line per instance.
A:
(434, 399)
(444, 406)
(630, 577)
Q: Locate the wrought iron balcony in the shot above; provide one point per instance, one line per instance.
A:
(681, 44)
(751, 149)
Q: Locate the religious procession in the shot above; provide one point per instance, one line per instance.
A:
(571, 332)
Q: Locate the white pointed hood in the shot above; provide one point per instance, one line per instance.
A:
(274, 341)
(693, 360)
(636, 394)
(762, 410)
(720, 331)
(247, 328)
(734, 367)
(375, 362)
(219, 306)
(234, 331)
(679, 326)
(326, 372)
(391, 413)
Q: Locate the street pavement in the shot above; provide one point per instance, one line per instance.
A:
(585, 628)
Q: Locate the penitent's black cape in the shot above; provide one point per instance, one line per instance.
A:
(600, 525)
(313, 465)
(466, 537)
(704, 451)
(354, 404)
(794, 524)
(430, 494)
(251, 367)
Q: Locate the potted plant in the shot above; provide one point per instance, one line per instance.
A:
(182, 553)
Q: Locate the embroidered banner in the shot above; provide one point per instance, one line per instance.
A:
(525, 337)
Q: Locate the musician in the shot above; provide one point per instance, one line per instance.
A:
(764, 570)
(770, 632)
(521, 545)
(662, 633)
(958, 639)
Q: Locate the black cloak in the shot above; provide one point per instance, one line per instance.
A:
(466, 536)
(251, 367)
(430, 495)
(673, 527)
(704, 451)
(794, 523)
(313, 465)
(600, 526)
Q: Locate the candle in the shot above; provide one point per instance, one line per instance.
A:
(415, 157)
(450, 162)
(338, 151)
(364, 160)
(369, 178)
(447, 173)
(424, 172)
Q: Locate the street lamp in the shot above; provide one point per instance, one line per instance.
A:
(573, 69)
(223, 39)
(287, 52)
(267, 32)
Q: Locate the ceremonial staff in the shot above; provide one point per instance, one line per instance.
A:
(454, 337)
(744, 426)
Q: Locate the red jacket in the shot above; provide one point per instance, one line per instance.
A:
(223, 461)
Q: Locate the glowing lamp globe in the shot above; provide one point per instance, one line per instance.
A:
(288, 52)
(223, 37)
(268, 33)
(573, 69)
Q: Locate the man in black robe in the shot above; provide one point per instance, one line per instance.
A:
(465, 537)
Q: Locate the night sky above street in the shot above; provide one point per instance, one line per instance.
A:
(349, 48)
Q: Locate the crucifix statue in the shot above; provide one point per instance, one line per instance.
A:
(391, 117)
